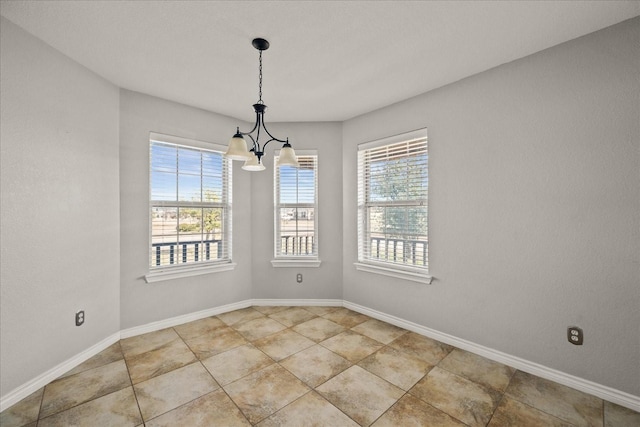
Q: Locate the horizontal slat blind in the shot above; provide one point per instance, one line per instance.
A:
(296, 208)
(392, 203)
(190, 199)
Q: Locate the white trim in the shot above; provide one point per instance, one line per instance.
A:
(407, 136)
(415, 276)
(185, 318)
(179, 272)
(19, 393)
(299, 302)
(186, 142)
(307, 152)
(607, 393)
(292, 262)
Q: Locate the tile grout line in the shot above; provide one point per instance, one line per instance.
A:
(133, 389)
(493, 413)
(405, 392)
(192, 400)
(319, 394)
(250, 342)
(232, 401)
(502, 394)
(83, 402)
(274, 363)
(222, 387)
(40, 406)
(144, 421)
(356, 364)
(311, 389)
(408, 392)
(540, 410)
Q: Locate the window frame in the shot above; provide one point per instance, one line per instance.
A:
(178, 270)
(367, 263)
(280, 260)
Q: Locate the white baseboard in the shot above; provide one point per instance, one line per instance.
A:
(299, 302)
(42, 380)
(607, 393)
(185, 318)
(179, 320)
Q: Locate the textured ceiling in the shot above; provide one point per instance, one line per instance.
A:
(329, 60)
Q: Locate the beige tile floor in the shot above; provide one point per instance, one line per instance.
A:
(302, 366)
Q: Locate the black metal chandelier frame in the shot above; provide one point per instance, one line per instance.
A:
(260, 107)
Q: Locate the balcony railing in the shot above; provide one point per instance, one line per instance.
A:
(406, 251)
(296, 245)
(168, 253)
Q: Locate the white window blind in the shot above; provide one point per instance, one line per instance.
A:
(392, 202)
(190, 203)
(296, 207)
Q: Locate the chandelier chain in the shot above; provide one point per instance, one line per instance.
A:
(260, 79)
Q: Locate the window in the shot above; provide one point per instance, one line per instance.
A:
(190, 206)
(296, 207)
(392, 206)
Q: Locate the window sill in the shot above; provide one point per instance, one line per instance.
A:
(179, 272)
(292, 262)
(413, 275)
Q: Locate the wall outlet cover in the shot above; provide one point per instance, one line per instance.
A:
(575, 335)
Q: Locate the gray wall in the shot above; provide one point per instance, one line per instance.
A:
(534, 208)
(60, 208)
(142, 302)
(324, 282)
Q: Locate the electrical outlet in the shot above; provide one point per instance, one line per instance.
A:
(299, 278)
(79, 317)
(575, 335)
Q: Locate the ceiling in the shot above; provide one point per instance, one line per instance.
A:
(328, 60)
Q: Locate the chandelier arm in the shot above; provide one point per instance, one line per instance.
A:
(254, 126)
(254, 142)
(264, 146)
(259, 119)
(273, 138)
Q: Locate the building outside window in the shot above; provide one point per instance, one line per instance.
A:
(393, 184)
(190, 204)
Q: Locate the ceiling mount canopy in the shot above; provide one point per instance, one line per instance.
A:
(260, 44)
(238, 150)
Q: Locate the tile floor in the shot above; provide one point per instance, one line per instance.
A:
(302, 366)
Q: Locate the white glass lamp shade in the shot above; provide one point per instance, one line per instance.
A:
(287, 157)
(253, 164)
(237, 149)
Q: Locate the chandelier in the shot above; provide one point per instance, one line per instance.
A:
(237, 149)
